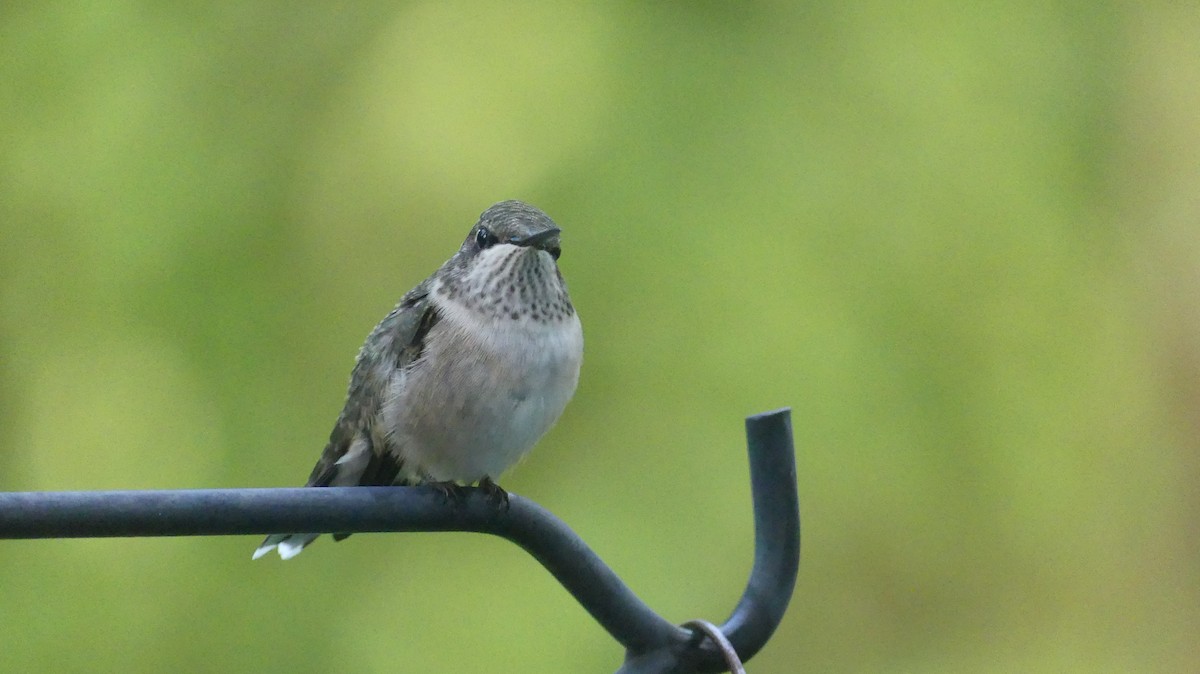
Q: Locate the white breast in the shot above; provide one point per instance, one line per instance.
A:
(485, 390)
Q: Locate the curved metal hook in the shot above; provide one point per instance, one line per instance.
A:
(653, 644)
(776, 559)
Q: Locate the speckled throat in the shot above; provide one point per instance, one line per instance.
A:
(510, 283)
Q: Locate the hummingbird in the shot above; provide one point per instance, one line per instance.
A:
(465, 374)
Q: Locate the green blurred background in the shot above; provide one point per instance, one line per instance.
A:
(963, 245)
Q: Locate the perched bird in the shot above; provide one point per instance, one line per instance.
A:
(469, 370)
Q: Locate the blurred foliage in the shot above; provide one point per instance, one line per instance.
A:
(963, 245)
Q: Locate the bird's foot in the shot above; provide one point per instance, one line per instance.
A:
(450, 491)
(494, 493)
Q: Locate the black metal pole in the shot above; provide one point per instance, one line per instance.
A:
(652, 643)
(776, 559)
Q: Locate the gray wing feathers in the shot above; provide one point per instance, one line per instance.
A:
(395, 343)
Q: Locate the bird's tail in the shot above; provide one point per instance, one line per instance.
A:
(288, 545)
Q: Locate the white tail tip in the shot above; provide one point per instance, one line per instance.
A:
(288, 545)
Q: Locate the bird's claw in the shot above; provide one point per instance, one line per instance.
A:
(450, 491)
(494, 493)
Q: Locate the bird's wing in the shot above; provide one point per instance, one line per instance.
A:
(395, 344)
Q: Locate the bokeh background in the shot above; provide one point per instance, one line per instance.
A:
(962, 244)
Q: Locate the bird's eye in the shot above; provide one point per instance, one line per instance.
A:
(484, 238)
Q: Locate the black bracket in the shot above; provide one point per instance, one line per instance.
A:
(653, 645)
